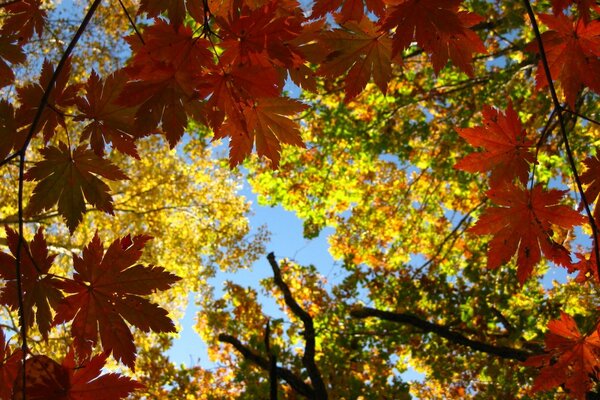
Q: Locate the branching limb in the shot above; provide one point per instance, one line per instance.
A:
(294, 381)
(440, 330)
(308, 359)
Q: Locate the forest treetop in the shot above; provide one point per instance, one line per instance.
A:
(449, 147)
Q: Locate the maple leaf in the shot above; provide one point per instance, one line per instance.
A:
(39, 289)
(438, 28)
(12, 53)
(587, 268)
(175, 9)
(523, 224)
(107, 290)
(48, 380)
(507, 152)
(572, 50)
(65, 177)
(590, 178)
(111, 122)
(165, 73)
(10, 137)
(571, 358)
(10, 362)
(268, 125)
(583, 7)
(61, 96)
(259, 37)
(352, 10)
(360, 49)
(234, 88)
(23, 18)
(459, 48)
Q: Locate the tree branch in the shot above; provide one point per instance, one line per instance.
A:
(563, 129)
(294, 381)
(440, 330)
(308, 359)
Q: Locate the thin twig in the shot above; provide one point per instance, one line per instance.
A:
(563, 130)
(593, 121)
(131, 22)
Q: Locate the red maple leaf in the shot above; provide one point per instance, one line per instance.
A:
(23, 18)
(12, 52)
(570, 359)
(359, 51)
(107, 290)
(523, 224)
(438, 28)
(507, 153)
(352, 10)
(39, 289)
(10, 137)
(10, 362)
(234, 88)
(165, 74)
(583, 7)
(61, 96)
(48, 380)
(175, 9)
(65, 177)
(572, 49)
(259, 37)
(111, 122)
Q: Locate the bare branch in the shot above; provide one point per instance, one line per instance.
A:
(443, 331)
(294, 381)
(308, 359)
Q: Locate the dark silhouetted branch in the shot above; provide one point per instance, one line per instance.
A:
(294, 381)
(440, 330)
(308, 359)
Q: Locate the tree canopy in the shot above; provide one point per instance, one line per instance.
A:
(450, 146)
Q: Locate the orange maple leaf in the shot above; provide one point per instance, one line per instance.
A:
(360, 49)
(507, 153)
(107, 290)
(572, 49)
(571, 358)
(65, 177)
(269, 125)
(523, 224)
(438, 28)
